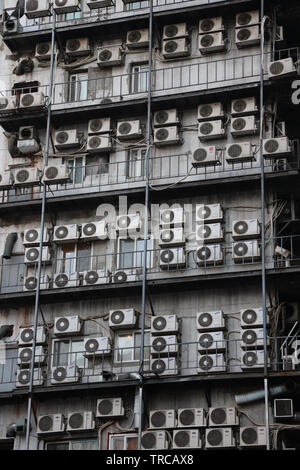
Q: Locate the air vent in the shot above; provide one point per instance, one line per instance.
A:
(283, 408)
(210, 321)
(209, 43)
(109, 407)
(175, 48)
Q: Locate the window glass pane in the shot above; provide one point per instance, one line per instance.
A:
(58, 446)
(136, 5)
(78, 174)
(125, 343)
(61, 353)
(67, 258)
(126, 254)
(84, 445)
(83, 257)
(131, 443)
(117, 443)
(140, 252)
(137, 344)
(77, 356)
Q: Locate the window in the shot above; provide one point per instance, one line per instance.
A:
(139, 78)
(127, 346)
(74, 257)
(131, 253)
(97, 165)
(136, 5)
(67, 351)
(78, 87)
(75, 170)
(86, 444)
(74, 15)
(136, 163)
(123, 442)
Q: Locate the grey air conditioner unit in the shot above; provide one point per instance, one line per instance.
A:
(205, 156)
(276, 147)
(211, 364)
(32, 255)
(43, 51)
(253, 436)
(99, 143)
(209, 233)
(129, 130)
(243, 126)
(172, 258)
(37, 8)
(65, 233)
(30, 283)
(110, 56)
(247, 18)
(78, 47)
(97, 346)
(245, 229)
(26, 336)
(174, 48)
(8, 104)
(166, 118)
(209, 25)
(211, 130)
(239, 153)
(80, 421)
(253, 318)
(32, 101)
(210, 111)
(164, 366)
(211, 341)
(191, 417)
(252, 360)
(32, 237)
(23, 378)
(62, 280)
(66, 139)
(27, 133)
(246, 251)
(171, 217)
(166, 345)
(186, 439)
(28, 146)
(99, 126)
(25, 356)
(124, 275)
(10, 26)
(110, 407)
(65, 374)
(137, 38)
(94, 277)
(282, 68)
(252, 338)
(243, 106)
(95, 4)
(210, 321)
(246, 37)
(122, 319)
(172, 236)
(27, 177)
(154, 440)
(208, 255)
(94, 230)
(54, 174)
(209, 43)
(128, 222)
(160, 419)
(208, 213)
(70, 325)
(52, 423)
(164, 324)
(6, 181)
(171, 31)
(222, 417)
(219, 438)
(66, 6)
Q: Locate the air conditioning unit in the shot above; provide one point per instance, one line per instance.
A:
(37, 8)
(27, 177)
(166, 136)
(80, 421)
(245, 229)
(210, 321)
(252, 360)
(209, 25)
(98, 346)
(209, 255)
(243, 106)
(276, 147)
(109, 407)
(99, 126)
(238, 153)
(208, 212)
(160, 419)
(211, 364)
(94, 230)
(54, 174)
(283, 408)
(50, 423)
(66, 6)
(77, 47)
(282, 68)
(32, 237)
(43, 51)
(178, 30)
(171, 217)
(128, 222)
(246, 251)
(94, 277)
(245, 37)
(66, 139)
(124, 275)
(171, 236)
(65, 233)
(95, 4)
(25, 355)
(164, 366)
(164, 324)
(209, 43)
(243, 126)
(211, 342)
(219, 437)
(110, 56)
(222, 417)
(7, 104)
(129, 130)
(26, 336)
(6, 181)
(211, 130)
(253, 436)
(252, 338)
(28, 147)
(23, 378)
(99, 143)
(30, 283)
(27, 133)
(175, 48)
(252, 318)
(209, 233)
(166, 118)
(64, 374)
(67, 325)
(247, 18)
(205, 156)
(137, 38)
(163, 345)
(154, 440)
(186, 439)
(32, 100)
(122, 319)
(10, 26)
(191, 417)
(32, 255)
(210, 111)
(172, 258)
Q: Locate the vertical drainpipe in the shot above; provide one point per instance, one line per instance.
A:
(42, 224)
(144, 283)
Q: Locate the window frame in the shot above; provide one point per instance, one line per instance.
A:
(73, 170)
(137, 162)
(75, 258)
(137, 73)
(69, 353)
(77, 86)
(135, 252)
(70, 443)
(125, 437)
(133, 348)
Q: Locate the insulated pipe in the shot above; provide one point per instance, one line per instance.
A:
(289, 387)
(9, 244)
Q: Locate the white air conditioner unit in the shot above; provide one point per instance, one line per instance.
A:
(94, 230)
(54, 174)
(282, 68)
(172, 258)
(210, 111)
(70, 325)
(28, 146)
(209, 25)
(252, 318)
(95, 4)
(244, 251)
(209, 43)
(32, 255)
(124, 275)
(99, 143)
(166, 136)
(122, 319)
(30, 283)
(110, 56)
(211, 342)
(64, 374)
(128, 222)
(222, 417)
(245, 229)
(171, 236)
(99, 126)
(97, 346)
(208, 212)
(175, 48)
(276, 147)
(66, 6)
(6, 180)
(211, 364)
(164, 324)
(178, 30)
(209, 255)
(78, 46)
(65, 233)
(43, 51)
(94, 277)
(128, 130)
(243, 106)
(253, 436)
(210, 130)
(154, 440)
(205, 156)
(66, 139)
(238, 153)
(171, 217)
(210, 321)
(252, 359)
(166, 118)
(7, 104)
(32, 237)
(163, 345)
(219, 437)
(10, 26)
(243, 126)
(23, 378)
(25, 355)
(191, 417)
(50, 423)
(32, 100)
(27, 177)
(209, 233)
(80, 421)
(37, 8)
(109, 407)
(164, 366)
(137, 38)
(246, 37)
(26, 336)
(186, 439)
(27, 133)
(160, 419)
(247, 18)
(252, 338)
